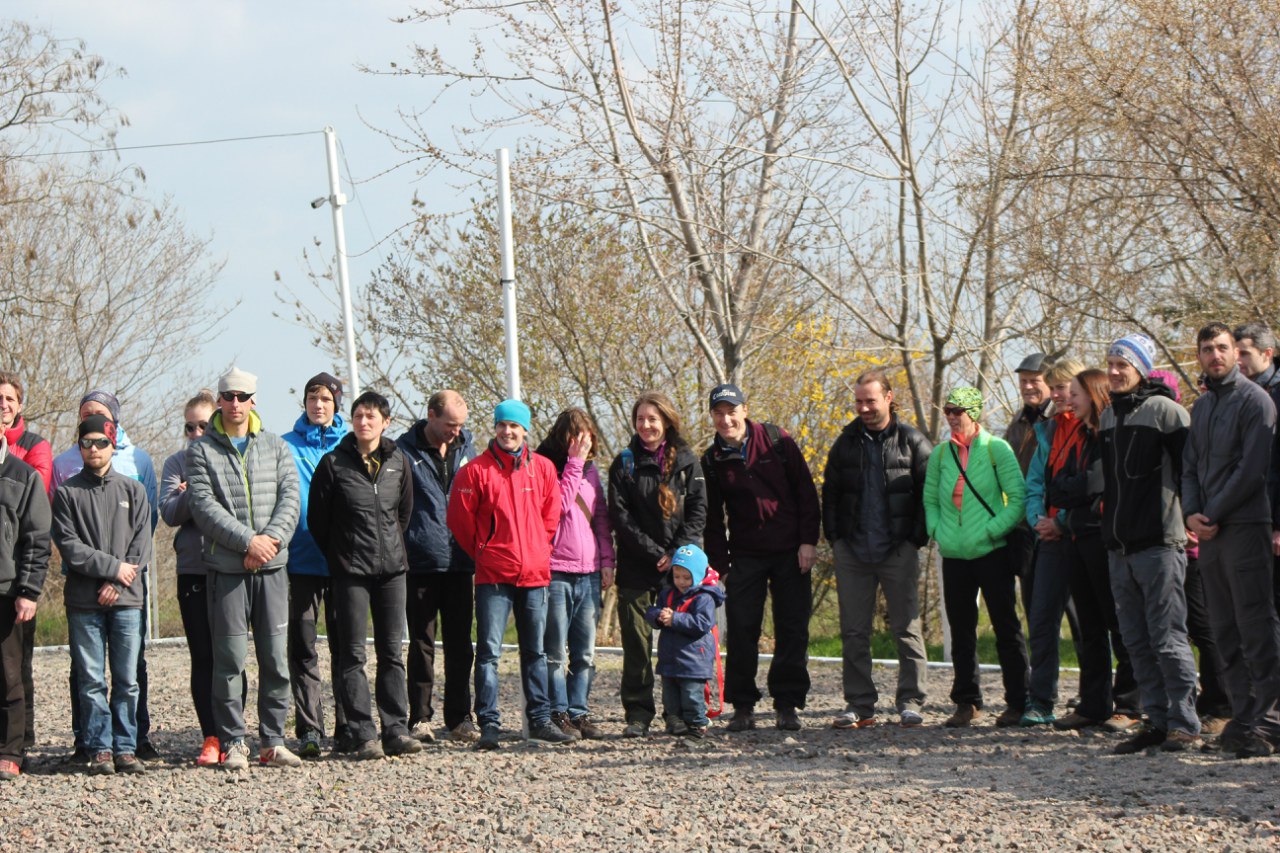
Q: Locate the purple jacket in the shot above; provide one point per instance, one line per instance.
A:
(582, 545)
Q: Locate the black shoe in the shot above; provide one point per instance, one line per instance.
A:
(401, 745)
(1226, 743)
(344, 741)
(81, 756)
(744, 718)
(788, 720)
(1145, 739)
(636, 729)
(547, 732)
(696, 732)
(1255, 746)
(147, 752)
(488, 739)
(677, 727)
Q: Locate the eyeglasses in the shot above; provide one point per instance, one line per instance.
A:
(95, 443)
(241, 396)
(196, 427)
(954, 411)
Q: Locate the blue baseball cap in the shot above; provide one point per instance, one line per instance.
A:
(727, 393)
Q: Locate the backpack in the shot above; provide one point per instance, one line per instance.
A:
(716, 709)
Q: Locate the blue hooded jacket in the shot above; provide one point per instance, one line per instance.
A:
(428, 542)
(308, 443)
(686, 648)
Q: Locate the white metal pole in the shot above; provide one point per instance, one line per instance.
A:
(507, 275)
(336, 201)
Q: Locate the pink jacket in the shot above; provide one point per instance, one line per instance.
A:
(582, 545)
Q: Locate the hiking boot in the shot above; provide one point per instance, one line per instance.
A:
(677, 727)
(965, 714)
(147, 752)
(1226, 742)
(278, 756)
(9, 771)
(210, 753)
(744, 718)
(787, 720)
(401, 745)
(1255, 746)
(237, 757)
(102, 764)
(1122, 724)
(82, 755)
(1213, 726)
(1180, 741)
(547, 732)
(636, 729)
(696, 732)
(464, 732)
(310, 748)
(488, 739)
(1010, 717)
(1034, 715)
(1146, 738)
(589, 730)
(421, 731)
(128, 763)
(1074, 720)
(370, 750)
(908, 719)
(561, 720)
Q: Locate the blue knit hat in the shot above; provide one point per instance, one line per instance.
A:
(694, 560)
(1138, 350)
(514, 411)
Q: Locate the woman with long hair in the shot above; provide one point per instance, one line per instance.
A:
(657, 502)
(582, 564)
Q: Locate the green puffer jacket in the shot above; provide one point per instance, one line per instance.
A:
(234, 497)
(971, 531)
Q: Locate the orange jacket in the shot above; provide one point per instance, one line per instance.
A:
(504, 512)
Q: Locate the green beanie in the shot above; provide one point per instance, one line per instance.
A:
(968, 398)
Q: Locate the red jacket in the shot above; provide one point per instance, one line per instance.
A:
(34, 451)
(504, 512)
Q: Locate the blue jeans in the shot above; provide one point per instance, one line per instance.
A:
(573, 606)
(494, 603)
(685, 698)
(98, 638)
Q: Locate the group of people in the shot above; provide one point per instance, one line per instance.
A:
(1149, 527)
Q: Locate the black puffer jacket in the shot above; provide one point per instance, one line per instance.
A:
(906, 460)
(358, 520)
(644, 536)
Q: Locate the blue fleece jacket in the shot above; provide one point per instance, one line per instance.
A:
(308, 443)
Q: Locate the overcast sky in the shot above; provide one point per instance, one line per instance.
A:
(230, 68)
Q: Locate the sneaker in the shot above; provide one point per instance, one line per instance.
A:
(1010, 717)
(1075, 720)
(547, 732)
(310, 748)
(677, 727)
(744, 718)
(210, 753)
(147, 752)
(1255, 746)
(488, 739)
(561, 720)
(589, 730)
(128, 763)
(908, 719)
(464, 732)
(1034, 715)
(1147, 737)
(278, 756)
(965, 714)
(1122, 724)
(344, 741)
(421, 731)
(370, 750)
(636, 729)
(787, 720)
(696, 732)
(853, 720)
(1180, 741)
(102, 764)
(401, 745)
(237, 757)
(9, 771)
(1212, 726)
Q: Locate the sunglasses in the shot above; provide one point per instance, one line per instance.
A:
(954, 411)
(196, 427)
(240, 396)
(95, 443)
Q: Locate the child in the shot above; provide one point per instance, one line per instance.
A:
(687, 652)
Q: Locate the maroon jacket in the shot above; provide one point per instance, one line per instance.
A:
(769, 498)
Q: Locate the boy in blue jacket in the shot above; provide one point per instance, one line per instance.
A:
(687, 652)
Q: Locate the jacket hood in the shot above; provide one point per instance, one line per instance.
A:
(1144, 392)
(314, 435)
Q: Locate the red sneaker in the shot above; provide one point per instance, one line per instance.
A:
(210, 753)
(9, 770)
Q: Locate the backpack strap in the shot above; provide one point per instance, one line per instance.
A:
(628, 458)
(775, 436)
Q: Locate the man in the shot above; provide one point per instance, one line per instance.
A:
(23, 566)
(31, 448)
(504, 511)
(441, 582)
(1142, 435)
(318, 430)
(101, 525)
(244, 499)
(873, 515)
(762, 536)
(1256, 346)
(1224, 500)
(128, 460)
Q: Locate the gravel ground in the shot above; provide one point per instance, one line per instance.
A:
(878, 789)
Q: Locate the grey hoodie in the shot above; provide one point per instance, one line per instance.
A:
(99, 523)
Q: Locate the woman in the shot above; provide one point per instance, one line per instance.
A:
(582, 564)
(973, 497)
(193, 602)
(358, 509)
(657, 502)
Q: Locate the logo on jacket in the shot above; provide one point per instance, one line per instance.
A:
(124, 504)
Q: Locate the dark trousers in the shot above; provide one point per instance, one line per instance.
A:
(962, 580)
(28, 679)
(307, 594)
(448, 597)
(637, 654)
(1095, 583)
(13, 706)
(1213, 700)
(193, 604)
(356, 597)
(1023, 545)
(144, 716)
(746, 586)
